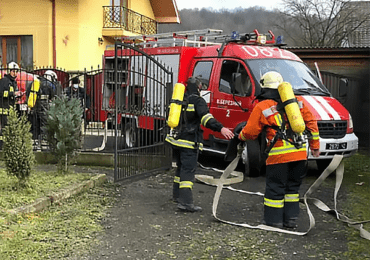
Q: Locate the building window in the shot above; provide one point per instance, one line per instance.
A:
(18, 49)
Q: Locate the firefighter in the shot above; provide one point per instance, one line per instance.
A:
(188, 143)
(40, 94)
(286, 163)
(8, 90)
(76, 91)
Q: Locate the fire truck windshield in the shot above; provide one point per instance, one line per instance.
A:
(302, 79)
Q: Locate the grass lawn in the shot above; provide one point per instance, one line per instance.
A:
(40, 184)
(72, 227)
(69, 226)
(357, 184)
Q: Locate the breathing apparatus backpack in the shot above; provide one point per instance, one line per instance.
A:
(177, 119)
(287, 105)
(177, 107)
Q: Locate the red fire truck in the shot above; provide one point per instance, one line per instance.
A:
(218, 59)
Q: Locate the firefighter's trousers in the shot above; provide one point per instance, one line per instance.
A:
(281, 201)
(186, 161)
(39, 120)
(3, 122)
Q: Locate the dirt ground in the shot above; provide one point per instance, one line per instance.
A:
(145, 224)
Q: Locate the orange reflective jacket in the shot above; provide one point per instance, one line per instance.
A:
(266, 114)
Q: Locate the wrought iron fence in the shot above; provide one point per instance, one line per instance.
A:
(121, 17)
(94, 118)
(142, 87)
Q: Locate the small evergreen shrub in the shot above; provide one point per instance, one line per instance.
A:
(17, 147)
(63, 130)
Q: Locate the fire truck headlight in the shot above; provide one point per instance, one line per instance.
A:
(350, 125)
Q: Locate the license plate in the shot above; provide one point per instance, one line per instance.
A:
(336, 146)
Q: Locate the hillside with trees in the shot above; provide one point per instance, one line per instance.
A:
(314, 23)
(241, 20)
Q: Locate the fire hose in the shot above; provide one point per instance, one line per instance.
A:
(224, 182)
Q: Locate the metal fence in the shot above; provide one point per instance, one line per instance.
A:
(124, 109)
(142, 87)
(94, 129)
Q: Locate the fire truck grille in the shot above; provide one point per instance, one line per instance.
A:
(332, 129)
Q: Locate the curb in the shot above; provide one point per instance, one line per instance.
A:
(46, 201)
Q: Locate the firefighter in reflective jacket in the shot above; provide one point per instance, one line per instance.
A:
(286, 164)
(189, 142)
(8, 90)
(39, 96)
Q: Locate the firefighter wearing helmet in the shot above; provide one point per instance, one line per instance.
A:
(188, 142)
(286, 161)
(39, 96)
(8, 90)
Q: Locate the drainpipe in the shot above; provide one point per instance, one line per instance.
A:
(54, 34)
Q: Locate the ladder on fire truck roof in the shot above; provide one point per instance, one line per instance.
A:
(180, 38)
(195, 38)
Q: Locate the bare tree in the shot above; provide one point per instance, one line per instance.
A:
(321, 22)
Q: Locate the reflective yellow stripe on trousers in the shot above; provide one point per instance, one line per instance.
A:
(176, 179)
(291, 198)
(274, 203)
(186, 184)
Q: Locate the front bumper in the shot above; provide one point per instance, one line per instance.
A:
(352, 147)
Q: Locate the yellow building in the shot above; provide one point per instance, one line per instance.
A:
(72, 34)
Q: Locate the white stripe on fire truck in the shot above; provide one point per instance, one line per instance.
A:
(317, 106)
(331, 110)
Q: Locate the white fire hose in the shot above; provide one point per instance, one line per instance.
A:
(336, 164)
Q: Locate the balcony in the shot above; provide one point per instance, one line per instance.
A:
(123, 19)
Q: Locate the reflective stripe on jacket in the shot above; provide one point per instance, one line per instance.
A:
(184, 143)
(196, 114)
(266, 114)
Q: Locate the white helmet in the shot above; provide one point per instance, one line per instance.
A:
(13, 65)
(271, 80)
(50, 75)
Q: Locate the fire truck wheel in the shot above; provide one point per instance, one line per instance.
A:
(130, 135)
(252, 161)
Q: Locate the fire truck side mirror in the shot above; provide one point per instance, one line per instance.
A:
(236, 82)
(343, 87)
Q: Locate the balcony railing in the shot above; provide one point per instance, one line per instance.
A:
(121, 17)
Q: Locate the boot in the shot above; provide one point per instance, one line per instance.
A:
(186, 201)
(175, 192)
(290, 223)
(291, 212)
(273, 216)
(189, 207)
(277, 225)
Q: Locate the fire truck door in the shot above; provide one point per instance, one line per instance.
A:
(232, 109)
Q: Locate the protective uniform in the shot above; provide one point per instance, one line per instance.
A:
(286, 163)
(188, 143)
(78, 92)
(38, 99)
(75, 91)
(8, 87)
